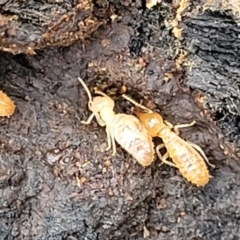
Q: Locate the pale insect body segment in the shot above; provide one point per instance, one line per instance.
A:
(185, 155)
(127, 130)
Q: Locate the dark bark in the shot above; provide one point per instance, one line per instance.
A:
(29, 25)
(212, 38)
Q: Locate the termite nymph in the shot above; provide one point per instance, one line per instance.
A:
(127, 130)
(7, 106)
(185, 155)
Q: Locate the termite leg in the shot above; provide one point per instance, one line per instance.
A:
(111, 142)
(168, 124)
(99, 120)
(199, 149)
(114, 146)
(172, 127)
(177, 127)
(89, 119)
(164, 157)
(185, 125)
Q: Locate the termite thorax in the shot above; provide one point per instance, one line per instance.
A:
(107, 115)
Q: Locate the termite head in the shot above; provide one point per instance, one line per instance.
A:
(98, 103)
(152, 121)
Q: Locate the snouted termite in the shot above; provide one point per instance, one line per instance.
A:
(186, 156)
(127, 130)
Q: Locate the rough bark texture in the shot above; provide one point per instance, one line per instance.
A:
(29, 25)
(212, 39)
(56, 180)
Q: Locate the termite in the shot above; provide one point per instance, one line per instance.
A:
(7, 106)
(127, 130)
(186, 156)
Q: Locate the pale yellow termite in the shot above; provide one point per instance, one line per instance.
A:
(127, 130)
(185, 155)
(7, 106)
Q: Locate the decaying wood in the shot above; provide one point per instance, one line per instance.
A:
(26, 25)
(212, 40)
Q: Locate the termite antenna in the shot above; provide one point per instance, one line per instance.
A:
(86, 88)
(135, 103)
